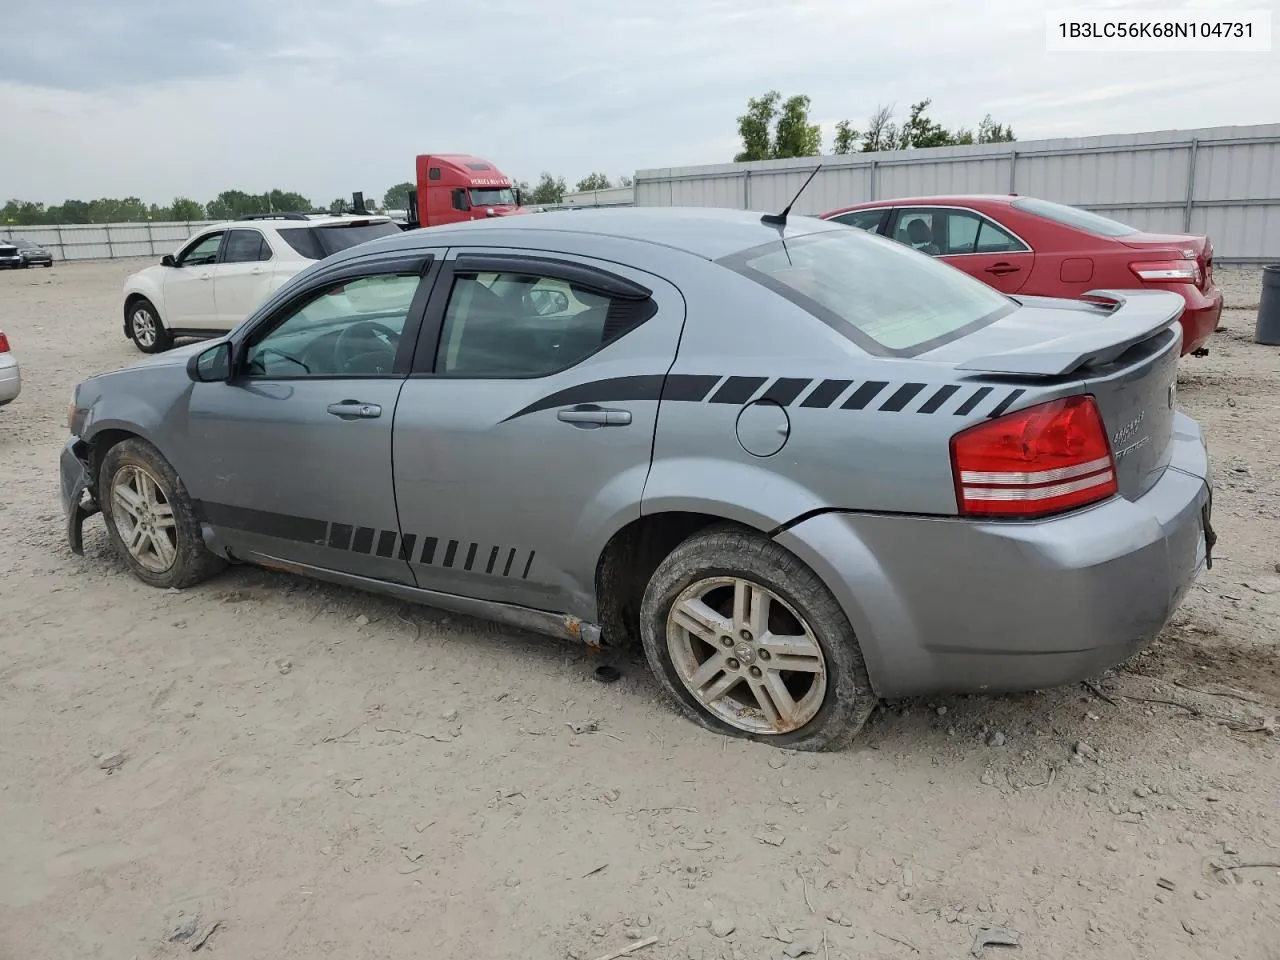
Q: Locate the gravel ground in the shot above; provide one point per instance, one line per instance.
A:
(323, 773)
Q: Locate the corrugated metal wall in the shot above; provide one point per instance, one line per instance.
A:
(613, 197)
(1224, 181)
(108, 241)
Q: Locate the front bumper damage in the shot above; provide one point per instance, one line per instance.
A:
(79, 498)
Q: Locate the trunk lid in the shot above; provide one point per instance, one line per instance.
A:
(1120, 346)
(1174, 246)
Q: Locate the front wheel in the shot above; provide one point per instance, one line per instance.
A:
(749, 642)
(150, 519)
(145, 328)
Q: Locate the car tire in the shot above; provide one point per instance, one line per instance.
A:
(144, 502)
(819, 705)
(145, 328)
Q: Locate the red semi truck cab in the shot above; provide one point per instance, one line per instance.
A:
(452, 187)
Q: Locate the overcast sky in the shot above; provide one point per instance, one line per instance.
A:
(157, 98)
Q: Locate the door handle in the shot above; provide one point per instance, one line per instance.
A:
(256, 270)
(1000, 269)
(354, 410)
(205, 276)
(589, 415)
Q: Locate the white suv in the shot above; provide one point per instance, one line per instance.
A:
(220, 275)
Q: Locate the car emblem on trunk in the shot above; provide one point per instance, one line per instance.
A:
(1128, 430)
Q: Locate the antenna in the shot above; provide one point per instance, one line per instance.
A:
(780, 219)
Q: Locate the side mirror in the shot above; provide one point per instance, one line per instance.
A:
(168, 261)
(212, 365)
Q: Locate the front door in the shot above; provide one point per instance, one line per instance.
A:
(242, 280)
(968, 241)
(296, 448)
(524, 436)
(188, 286)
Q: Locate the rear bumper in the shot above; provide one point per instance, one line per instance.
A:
(1200, 318)
(950, 605)
(10, 379)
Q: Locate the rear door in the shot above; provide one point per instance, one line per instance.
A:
(525, 434)
(969, 241)
(188, 286)
(242, 278)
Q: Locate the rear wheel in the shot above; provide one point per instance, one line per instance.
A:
(150, 518)
(749, 642)
(145, 328)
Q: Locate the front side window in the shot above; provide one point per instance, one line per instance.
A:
(245, 246)
(522, 325)
(882, 295)
(350, 329)
(459, 199)
(203, 252)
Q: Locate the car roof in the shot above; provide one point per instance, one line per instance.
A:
(298, 221)
(944, 200)
(707, 232)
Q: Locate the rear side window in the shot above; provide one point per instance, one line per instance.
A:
(885, 297)
(245, 246)
(862, 219)
(523, 325)
(316, 243)
(1073, 217)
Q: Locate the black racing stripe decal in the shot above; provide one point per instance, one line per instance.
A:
(901, 397)
(613, 390)
(511, 558)
(529, 565)
(968, 406)
(863, 395)
(935, 402)
(785, 389)
(406, 547)
(428, 554)
(387, 544)
(1006, 403)
(688, 387)
(737, 389)
(493, 558)
(825, 394)
(471, 557)
(340, 536)
(279, 525)
(450, 552)
(362, 542)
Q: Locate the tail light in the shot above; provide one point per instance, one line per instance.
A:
(4, 343)
(1043, 460)
(1168, 271)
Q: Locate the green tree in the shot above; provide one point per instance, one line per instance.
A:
(549, 189)
(594, 181)
(794, 135)
(184, 208)
(992, 132)
(337, 206)
(625, 181)
(846, 138)
(397, 197)
(755, 127)
(919, 131)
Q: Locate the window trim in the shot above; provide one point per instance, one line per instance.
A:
(593, 279)
(426, 265)
(226, 242)
(910, 208)
(737, 262)
(221, 233)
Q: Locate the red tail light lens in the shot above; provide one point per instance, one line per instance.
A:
(1044, 460)
(1167, 271)
(4, 343)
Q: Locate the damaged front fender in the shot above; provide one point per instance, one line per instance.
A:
(79, 498)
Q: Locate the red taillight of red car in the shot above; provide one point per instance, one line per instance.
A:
(4, 343)
(1168, 271)
(1035, 462)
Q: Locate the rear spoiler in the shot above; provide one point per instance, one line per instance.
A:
(1114, 321)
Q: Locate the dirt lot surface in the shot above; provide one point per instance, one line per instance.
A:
(323, 773)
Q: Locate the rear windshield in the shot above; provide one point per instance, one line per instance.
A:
(886, 297)
(316, 243)
(1073, 217)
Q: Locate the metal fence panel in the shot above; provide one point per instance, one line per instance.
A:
(1224, 181)
(107, 241)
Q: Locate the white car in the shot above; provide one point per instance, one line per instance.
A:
(10, 376)
(221, 274)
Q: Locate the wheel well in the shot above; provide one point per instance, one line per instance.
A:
(627, 563)
(99, 446)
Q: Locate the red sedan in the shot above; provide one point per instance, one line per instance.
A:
(1038, 248)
